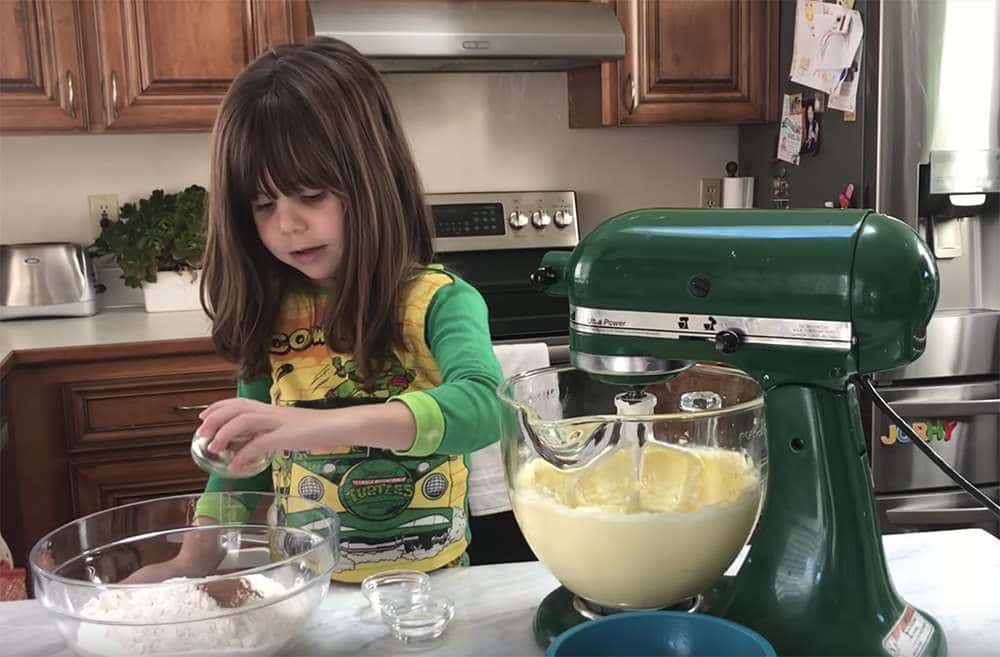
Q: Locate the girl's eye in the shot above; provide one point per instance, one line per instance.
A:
(312, 197)
(261, 206)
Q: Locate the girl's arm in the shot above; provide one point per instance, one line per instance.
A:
(255, 429)
(461, 415)
(258, 390)
(201, 551)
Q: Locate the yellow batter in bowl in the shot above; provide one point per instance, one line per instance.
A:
(639, 533)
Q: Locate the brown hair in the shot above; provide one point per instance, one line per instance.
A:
(312, 116)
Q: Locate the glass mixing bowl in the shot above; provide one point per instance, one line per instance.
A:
(252, 571)
(635, 498)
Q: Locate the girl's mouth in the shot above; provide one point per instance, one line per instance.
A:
(307, 255)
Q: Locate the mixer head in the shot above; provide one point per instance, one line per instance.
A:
(806, 296)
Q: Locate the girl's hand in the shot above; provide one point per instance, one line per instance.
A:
(254, 429)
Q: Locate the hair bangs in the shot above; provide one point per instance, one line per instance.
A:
(281, 151)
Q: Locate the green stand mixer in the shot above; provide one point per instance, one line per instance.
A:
(803, 302)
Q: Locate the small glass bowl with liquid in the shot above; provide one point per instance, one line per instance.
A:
(219, 463)
(417, 620)
(396, 587)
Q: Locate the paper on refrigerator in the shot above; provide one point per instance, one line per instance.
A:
(845, 95)
(827, 41)
(790, 130)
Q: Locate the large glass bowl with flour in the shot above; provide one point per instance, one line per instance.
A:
(267, 567)
(635, 497)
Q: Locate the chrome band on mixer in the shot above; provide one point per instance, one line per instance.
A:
(601, 364)
(813, 333)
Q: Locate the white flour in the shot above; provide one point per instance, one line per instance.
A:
(257, 632)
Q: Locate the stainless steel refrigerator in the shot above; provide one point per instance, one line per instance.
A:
(924, 148)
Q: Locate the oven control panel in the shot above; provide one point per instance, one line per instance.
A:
(496, 221)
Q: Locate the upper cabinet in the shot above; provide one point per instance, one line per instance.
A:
(686, 61)
(154, 65)
(42, 83)
(169, 62)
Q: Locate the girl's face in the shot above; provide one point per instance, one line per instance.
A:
(304, 231)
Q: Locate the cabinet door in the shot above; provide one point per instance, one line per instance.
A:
(104, 484)
(165, 64)
(686, 61)
(41, 66)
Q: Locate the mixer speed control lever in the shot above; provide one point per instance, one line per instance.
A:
(543, 277)
(728, 341)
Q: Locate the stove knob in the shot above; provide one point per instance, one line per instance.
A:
(563, 219)
(518, 220)
(541, 219)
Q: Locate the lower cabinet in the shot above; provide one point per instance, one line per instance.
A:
(90, 428)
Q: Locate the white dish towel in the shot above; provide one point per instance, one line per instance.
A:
(487, 488)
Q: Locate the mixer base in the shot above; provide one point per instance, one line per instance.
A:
(561, 610)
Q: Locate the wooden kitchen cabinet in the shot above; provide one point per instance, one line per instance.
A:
(96, 427)
(104, 484)
(140, 65)
(686, 61)
(42, 80)
(166, 64)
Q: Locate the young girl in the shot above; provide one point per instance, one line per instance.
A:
(366, 374)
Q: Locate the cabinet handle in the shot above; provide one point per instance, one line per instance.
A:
(114, 95)
(631, 94)
(193, 407)
(70, 94)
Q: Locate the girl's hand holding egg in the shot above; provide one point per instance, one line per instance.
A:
(253, 429)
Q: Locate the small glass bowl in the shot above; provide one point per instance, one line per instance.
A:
(396, 587)
(412, 621)
(219, 463)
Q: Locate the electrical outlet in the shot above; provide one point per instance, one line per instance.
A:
(711, 192)
(103, 206)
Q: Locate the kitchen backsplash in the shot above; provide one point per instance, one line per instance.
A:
(469, 132)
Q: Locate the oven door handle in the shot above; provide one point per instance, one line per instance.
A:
(558, 354)
(960, 515)
(956, 408)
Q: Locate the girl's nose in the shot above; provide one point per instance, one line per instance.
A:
(289, 221)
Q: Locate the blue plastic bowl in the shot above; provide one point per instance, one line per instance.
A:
(656, 633)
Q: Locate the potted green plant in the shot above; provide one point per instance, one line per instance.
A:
(158, 243)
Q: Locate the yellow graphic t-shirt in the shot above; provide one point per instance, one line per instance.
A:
(395, 511)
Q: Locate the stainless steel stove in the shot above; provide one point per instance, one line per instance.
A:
(494, 240)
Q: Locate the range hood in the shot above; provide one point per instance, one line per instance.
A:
(426, 36)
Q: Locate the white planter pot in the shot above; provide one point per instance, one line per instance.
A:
(172, 291)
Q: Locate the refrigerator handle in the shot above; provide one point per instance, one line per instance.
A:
(958, 408)
(966, 515)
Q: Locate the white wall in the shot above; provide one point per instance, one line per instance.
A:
(469, 132)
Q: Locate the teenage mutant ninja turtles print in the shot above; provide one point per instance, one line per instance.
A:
(406, 511)
(395, 511)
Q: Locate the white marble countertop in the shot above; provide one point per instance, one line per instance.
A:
(953, 575)
(113, 326)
